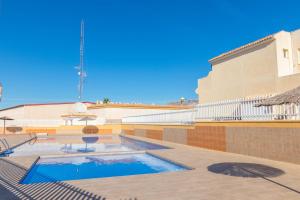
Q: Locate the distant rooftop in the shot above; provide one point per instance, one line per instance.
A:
(139, 106)
(94, 105)
(44, 104)
(188, 102)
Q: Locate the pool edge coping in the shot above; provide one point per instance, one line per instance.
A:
(29, 170)
(185, 167)
(92, 154)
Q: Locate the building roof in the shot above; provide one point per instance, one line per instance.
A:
(261, 41)
(43, 104)
(140, 106)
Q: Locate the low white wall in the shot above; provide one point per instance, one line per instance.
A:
(119, 113)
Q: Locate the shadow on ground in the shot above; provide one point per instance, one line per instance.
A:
(245, 170)
(252, 170)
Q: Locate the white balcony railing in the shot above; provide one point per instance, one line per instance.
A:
(229, 110)
(245, 109)
(174, 117)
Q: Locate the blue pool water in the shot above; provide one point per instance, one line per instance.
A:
(85, 167)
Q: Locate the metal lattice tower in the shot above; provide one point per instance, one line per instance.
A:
(81, 72)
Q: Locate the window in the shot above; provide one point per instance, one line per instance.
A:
(285, 53)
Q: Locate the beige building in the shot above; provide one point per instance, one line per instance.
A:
(267, 66)
(70, 113)
(45, 114)
(114, 113)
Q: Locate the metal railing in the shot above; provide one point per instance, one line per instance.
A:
(244, 109)
(174, 117)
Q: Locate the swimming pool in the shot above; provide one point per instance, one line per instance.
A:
(100, 166)
(82, 144)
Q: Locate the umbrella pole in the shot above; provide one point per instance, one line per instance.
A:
(86, 122)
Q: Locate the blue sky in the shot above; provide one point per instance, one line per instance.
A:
(150, 51)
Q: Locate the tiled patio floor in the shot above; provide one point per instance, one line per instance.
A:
(196, 184)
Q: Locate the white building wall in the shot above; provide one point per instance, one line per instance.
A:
(284, 64)
(50, 115)
(119, 113)
(296, 50)
(15, 113)
(40, 115)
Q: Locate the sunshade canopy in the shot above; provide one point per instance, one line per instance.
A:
(6, 118)
(288, 97)
(89, 118)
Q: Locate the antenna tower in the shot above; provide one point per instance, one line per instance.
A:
(81, 73)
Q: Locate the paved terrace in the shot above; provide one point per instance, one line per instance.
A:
(198, 183)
